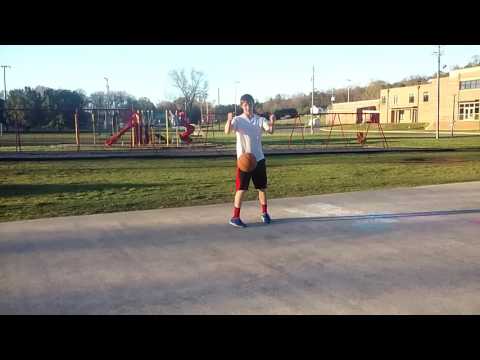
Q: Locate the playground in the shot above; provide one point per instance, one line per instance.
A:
(107, 129)
(130, 130)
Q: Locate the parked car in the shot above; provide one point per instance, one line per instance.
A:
(286, 113)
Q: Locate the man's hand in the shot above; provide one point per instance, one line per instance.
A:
(272, 118)
(271, 123)
(229, 123)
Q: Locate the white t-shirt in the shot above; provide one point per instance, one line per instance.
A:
(249, 134)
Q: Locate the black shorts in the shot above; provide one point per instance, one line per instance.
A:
(258, 176)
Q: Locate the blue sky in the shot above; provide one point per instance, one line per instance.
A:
(261, 70)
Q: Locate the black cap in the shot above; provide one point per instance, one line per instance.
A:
(248, 98)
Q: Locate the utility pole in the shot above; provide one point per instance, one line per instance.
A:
(4, 94)
(313, 90)
(453, 115)
(107, 107)
(5, 83)
(439, 54)
(348, 90)
(235, 102)
(218, 104)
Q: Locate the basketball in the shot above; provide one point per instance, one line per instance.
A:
(247, 162)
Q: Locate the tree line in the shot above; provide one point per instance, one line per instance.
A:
(43, 108)
(47, 108)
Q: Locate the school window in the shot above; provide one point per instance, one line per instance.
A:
(383, 99)
(395, 99)
(469, 111)
(411, 98)
(470, 84)
(425, 96)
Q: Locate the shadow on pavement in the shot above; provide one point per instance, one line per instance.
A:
(376, 216)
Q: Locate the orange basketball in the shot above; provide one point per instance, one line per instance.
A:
(247, 162)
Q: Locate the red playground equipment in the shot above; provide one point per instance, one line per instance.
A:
(185, 122)
(133, 123)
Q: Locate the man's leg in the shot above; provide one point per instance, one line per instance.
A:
(238, 199)
(262, 198)
(259, 178)
(241, 185)
(235, 220)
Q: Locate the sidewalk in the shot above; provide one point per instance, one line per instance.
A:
(400, 251)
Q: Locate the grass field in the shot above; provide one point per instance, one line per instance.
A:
(31, 190)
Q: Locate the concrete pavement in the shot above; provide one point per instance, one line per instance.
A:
(400, 251)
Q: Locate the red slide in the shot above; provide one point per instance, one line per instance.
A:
(185, 136)
(133, 120)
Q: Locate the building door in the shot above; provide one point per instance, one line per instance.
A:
(469, 109)
(392, 119)
(359, 115)
(414, 115)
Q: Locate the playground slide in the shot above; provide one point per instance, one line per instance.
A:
(185, 136)
(131, 122)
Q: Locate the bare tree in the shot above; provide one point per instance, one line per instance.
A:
(475, 61)
(192, 89)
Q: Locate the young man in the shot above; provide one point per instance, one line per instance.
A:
(248, 128)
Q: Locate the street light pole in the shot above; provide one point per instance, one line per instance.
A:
(236, 82)
(438, 96)
(107, 107)
(348, 90)
(5, 83)
(4, 93)
(313, 90)
(439, 54)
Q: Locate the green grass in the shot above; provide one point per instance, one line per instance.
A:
(31, 190)
(319, 139)
(388, 127)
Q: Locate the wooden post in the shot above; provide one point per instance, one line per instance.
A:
(176, 134)
(453, 116)
(94, 130)
(77, 132)
(18, 144)
(166, 125)
(132, 137)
